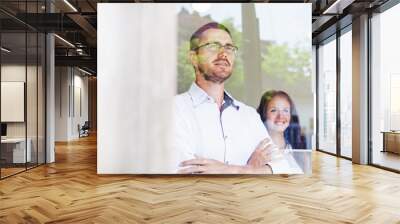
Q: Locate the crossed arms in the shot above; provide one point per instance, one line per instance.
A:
(256, 164)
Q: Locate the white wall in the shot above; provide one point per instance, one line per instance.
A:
(81, 83)
(61, 103)
(135, 87)
(67, 116)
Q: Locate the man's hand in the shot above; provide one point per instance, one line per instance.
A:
(207, 166)
(262, 154)
(211, 166)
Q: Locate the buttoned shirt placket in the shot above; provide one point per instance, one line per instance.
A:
(226, 103)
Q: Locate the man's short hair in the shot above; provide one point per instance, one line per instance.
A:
(195, 38)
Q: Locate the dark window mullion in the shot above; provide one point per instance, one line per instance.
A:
(26, 87)
(0, 95)
(338, 98)
(369, 95)
(37, 89)
(317, 96)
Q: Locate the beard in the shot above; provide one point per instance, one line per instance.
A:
(212, 77)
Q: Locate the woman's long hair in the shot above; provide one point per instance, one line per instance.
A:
(292, 134)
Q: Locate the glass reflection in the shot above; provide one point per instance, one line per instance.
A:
(14, 153)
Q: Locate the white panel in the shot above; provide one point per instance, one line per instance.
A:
(77, 112)
(136, 64)
(12, 101)
(50, 93)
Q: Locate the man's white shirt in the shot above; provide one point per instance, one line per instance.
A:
(229, 135)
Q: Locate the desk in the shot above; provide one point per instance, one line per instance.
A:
(15, 148)
(391, 141)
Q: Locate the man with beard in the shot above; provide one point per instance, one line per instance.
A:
(214, 133)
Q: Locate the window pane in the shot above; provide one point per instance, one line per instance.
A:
(41, 98)
(327, 97)
(346, 94)
(386, 89)
(31, 100)
(13, 87)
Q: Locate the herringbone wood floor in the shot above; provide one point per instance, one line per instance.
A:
(70, 191)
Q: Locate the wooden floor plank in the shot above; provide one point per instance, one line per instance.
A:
(70, 191)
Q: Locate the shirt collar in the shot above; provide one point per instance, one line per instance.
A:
(199, 96)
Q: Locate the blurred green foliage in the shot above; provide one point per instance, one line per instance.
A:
(283, 67)
(288, 66)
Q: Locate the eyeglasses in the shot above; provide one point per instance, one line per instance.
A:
(215, 47)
